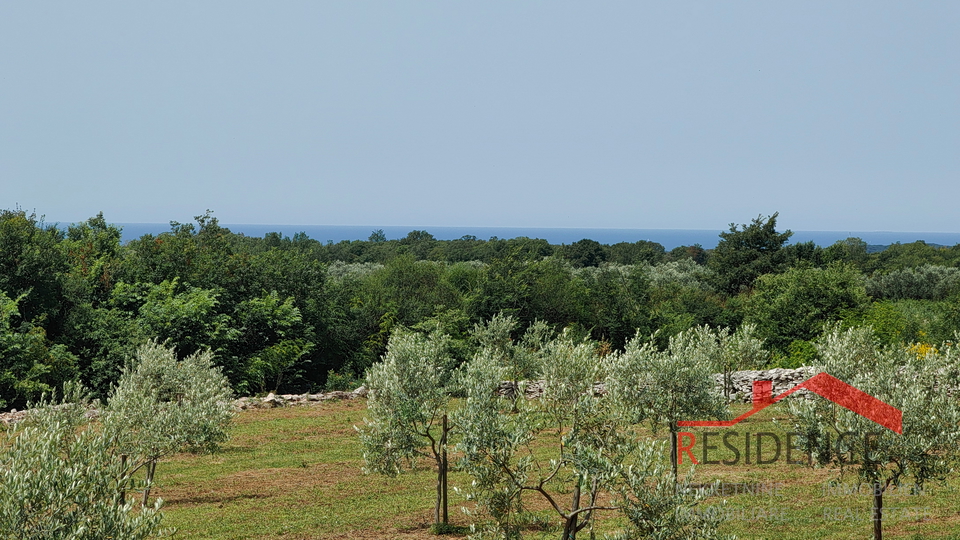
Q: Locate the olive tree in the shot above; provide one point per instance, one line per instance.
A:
(520, 358)
(922, 387)
(408, 403)
(656, 507)
(162, 406)
(573, 448)
(664, 387)
(58, 479)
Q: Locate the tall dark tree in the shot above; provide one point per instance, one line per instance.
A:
(643, 251)
(31, 269)
(584, 252)
(745, 254)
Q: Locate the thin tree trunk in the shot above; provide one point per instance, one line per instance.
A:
(151, 468)
(877, 512)
(570, 528)
(122, 482)
(444, 467)
(436, 507)
(673, 450)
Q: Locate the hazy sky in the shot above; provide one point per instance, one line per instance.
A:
(839, 115)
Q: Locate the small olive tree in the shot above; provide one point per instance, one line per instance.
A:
(58, 479)
(408, 403)
(595, 460)
(162, 406)
(923, 388)
(740, 350)
(664, 387)
(521, 358)
(656, 507)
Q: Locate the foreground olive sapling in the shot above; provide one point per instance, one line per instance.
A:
(407, 404)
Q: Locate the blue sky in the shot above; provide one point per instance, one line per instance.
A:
(839, 115)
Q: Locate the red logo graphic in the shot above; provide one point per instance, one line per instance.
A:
(824, 385)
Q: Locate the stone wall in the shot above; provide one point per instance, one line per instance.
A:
(783, 380)
(741, 384)
(282, 400)
(742, 390)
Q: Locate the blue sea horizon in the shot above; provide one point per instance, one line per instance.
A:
(669, 238)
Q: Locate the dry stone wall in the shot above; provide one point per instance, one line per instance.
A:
(741, 390)
(282, 400)
(741, 384)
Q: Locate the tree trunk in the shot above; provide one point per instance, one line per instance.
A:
(439, 504)
(444, 467)
(570, 528)
(151, 468)
(673, 450)
(122, 482)
(440, 510)
(877, 512)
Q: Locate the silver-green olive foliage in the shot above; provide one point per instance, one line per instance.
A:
(595, 459)
(924, 387)
(407, 405)
(664, 387)
(59, 474)
(163, 405)
(407, 398)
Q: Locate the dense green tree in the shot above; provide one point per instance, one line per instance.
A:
(377, 236)
(32, 266)
(410, 290)
(189, 317)
(417, 243)
(901, 256)
(30, 364)
(503, 288)
(584, 252)
(198, 255)
(745, 254)
(696, 253)
(617, 302)
(269, 345)
(93, 251)
(795, 305)
(852, 251)
(555, 296)
(804, 253)
(104, 340)
(642, 251)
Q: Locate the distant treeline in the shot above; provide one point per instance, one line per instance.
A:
(296, 314)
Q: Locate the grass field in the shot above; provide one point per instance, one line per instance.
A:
(295, 473)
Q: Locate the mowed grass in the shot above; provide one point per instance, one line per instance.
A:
(295, 473)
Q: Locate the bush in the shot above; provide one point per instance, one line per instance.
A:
(927, 282)
(162, 406)
(58, 479)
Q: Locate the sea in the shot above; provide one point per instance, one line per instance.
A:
(669, 238)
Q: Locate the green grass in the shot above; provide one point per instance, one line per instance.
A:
(295, 473)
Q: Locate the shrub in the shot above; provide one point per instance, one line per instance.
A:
(162, 406)
(58, 479)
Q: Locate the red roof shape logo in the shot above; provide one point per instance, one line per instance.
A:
(824, 385)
